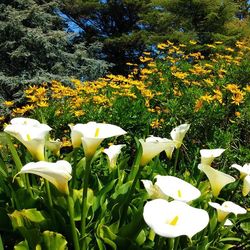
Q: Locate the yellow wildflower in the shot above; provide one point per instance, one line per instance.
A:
(156, 123)
(233, 88)
(207, 98)
(193, 42)
(211, 46)
(238, 98)
(8, 103)
(209, 82)
(79, 113)
(237, 114)
(247, 88)
(198, 105)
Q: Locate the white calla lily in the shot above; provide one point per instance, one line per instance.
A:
(31, 133)
(58, 173)
(113, 152)
(245, 175)
(208, 155)
(169, 148)
(91, 135)
(216, 178)
(175, 218)
(226, 208)
(151, 147)
(153, 190)
(246, 186)
(177, 188)
(178, 133)
(244, 170)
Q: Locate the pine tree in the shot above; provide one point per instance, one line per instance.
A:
(116, 23)
(128, 27)
(35, 47)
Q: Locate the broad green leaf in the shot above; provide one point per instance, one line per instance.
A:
(105, 233)
(21, 218)
(53, 241)
(246, 227)
(123, 189)
(23, 245)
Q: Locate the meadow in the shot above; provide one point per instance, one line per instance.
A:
(157, 159)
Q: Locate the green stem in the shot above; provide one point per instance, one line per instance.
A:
(171, 243)
(176, 243)
(74, 156)
(176, 159)
(84, 202)
(72, 223)
(234, 191)
(14, 154)
(50, 202)
(129, 196)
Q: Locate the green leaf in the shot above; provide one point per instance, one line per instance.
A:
(123, 189)
(23, 245)
(25, 216)
(105, 233)
(53, 241)
(246, 227)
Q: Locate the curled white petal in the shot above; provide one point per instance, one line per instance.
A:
(226, 208)
(91, 135)
(208, 155)
(58, 173)
(176, 188)
(31, 133)
(216, 178)
(178, 133)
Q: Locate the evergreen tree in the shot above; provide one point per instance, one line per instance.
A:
(35, 47)
(128, 27)
(116, 23)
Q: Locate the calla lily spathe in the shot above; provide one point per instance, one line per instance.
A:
(176, 188)
(91, 135)
(113, 152)
(151, 147)
(245, 175)
(31, 133)
(175, 218)
(58, 173)
(153, 191)
(226, 208)
(208, 155)
(216, 178)
(178, 133)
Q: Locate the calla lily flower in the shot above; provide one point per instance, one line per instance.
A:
(91, 135)
(176, 188)
(208, 155)
(175, 218)
(58, 173)
(245, 175)
(151, 147)
(54, 146)
(153, 191)
(169, 148)
(178, 133)
(226, 208)
(31, 133)
(216, 178)
(113, 152)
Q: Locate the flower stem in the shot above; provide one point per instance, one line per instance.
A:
(176, 159)
(84, 201)
(50, 201)
(72, 223)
